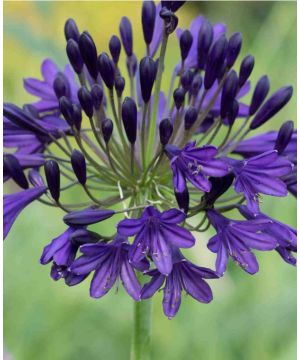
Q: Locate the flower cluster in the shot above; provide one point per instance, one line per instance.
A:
(155, 157)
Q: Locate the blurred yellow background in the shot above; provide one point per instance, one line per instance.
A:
(251, 317)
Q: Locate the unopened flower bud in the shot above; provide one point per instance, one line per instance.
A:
(271, 107)
(131, 63)
(66, 109)
(190, 117)
(107, 70)
(126, 35)
(87, 216)
(52, 173)
(229, 92)
(13, 168)
(86, 101)
(88, 53)
(260, 93)
(205, 39)
(61, 86)
(215, 61)
(115, 48)
(232, 113)
(148, 20)
(170, 20)
(172, 5)
(219, 185)
(183, 199)
(246, 68)
(234, 48)
(119, 85)
(196, 84)
(165, 131)
(178, 96)
(284, 136)
(129, 117)
(107, 127)
(77, 116)
(147, 77)
(74, 56)
(35, 178)
(185, 41)
(97, 95)
(71, 30)
(79, 166)
(187, 79)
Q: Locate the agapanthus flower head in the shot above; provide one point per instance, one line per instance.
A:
(150, 161)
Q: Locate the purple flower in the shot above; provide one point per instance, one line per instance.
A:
(260, 174)
(44, 88)
(236, 238)
(285, 235)
(13, 204)
(109, 261)
(184, 276)
(156, 233)
(62, 252)
(195, 164)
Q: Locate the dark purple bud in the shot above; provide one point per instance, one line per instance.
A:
(183, 200)
(284, 136)
(148, 20)
(97, 95)
(66, 109)
(229, 92)
(196, 84)
(88, 53)
(76, 116)
(222, 71)
(185, 41)
(165, 131)
(74, 56)
(271, 107)
(71, 30)
(79, 166)
(126, 35)
(61, 86)
(35, 178)
(215, 61)
(119, 85)
(172, 5)
(233, 112)
(115, 48)
(52, 173)
(107, 70)
(260, 93)
(205, 39)
(170, 20)
(219, 185)
(147, 77)
(83, 236)
(107, 129)
(86, 101)
(178, 96)
(187, 79)
(234, 48)
(31, 110)
(13, 168)
(190, 117)
(87, 216)
(246, 68)
(129, 116)
(131, 63)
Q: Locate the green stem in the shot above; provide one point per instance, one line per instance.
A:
(141, 348)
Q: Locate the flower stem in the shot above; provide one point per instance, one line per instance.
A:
(141, 330)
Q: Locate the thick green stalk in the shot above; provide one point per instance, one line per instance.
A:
(152, 126)
(141, 346)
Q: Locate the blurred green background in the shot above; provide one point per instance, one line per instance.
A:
(251, 317)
